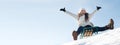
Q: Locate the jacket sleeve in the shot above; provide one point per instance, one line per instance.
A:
(71, 14)
(91, 15)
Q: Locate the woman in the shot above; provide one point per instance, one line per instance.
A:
(83, 19)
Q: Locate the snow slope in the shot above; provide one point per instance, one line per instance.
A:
(109, 37)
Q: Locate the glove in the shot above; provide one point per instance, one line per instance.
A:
(62, 9)
(98, 8)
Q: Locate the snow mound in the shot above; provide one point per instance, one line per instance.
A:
(109, 37)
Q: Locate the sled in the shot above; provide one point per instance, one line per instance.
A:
(87, 32)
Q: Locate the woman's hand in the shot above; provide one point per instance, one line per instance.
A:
(98, 7)
(62, 9)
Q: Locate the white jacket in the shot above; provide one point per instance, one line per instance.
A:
(81, 21)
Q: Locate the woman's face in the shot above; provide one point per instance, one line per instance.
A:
(83, 11)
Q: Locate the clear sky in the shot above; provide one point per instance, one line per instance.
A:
(39, 22)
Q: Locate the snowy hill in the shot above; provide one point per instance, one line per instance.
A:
(109, 37)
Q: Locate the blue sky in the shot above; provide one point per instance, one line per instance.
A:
(39, 22)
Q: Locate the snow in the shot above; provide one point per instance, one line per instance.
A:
(109, 37)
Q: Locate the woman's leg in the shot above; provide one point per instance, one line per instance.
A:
(76, 33)
(109, 26)
(97, 29)
(80, 30)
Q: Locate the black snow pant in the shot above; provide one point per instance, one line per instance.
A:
(81, 28)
